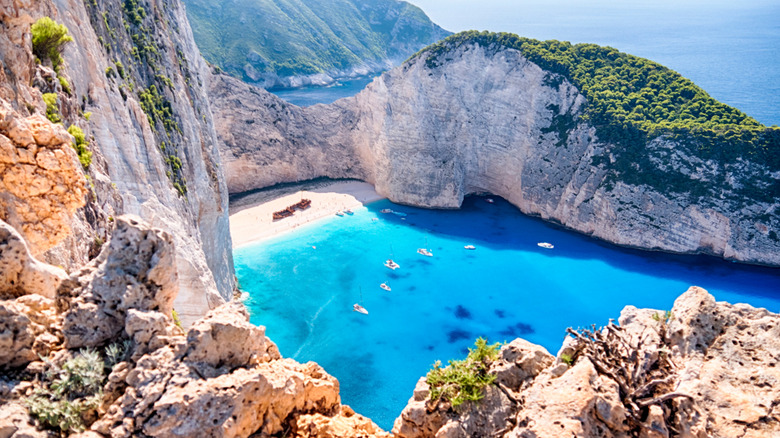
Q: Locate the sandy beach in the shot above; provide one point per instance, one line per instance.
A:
(251, 216)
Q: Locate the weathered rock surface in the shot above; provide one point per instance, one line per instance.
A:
(723, 381)
(137, 157)
(490, 121)
(43, 184)
(135, 271)
(15, 422)
(26, 326)
(20, 272)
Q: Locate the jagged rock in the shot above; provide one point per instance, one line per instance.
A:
(519, 362)
(347, 424)
(42, 181)
(23, 330)
(20, 272)
(15, 422)
(723, 381)
(136, 270)
(169, 399)
(226, 338)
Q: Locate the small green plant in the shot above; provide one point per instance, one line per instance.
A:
(116, 352)
(69, 391)
(52, 108)
(87, 115)
(64, 84)
(80, 144)
(48, 40)
(120, 69)
(176, 320)
(109, 72)
(567, 359)
(464, 380)
(665, 318)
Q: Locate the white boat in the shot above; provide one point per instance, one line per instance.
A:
(424, 252)
(357, 307)
(385, 287)
(385, 210)
(389, 263)
(339, 213)
(349, 211)
(489, 200)
(545, 245)
(470, 247)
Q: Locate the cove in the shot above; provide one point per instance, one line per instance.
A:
(302, 286)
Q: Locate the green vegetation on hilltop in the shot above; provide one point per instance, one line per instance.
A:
(632, 101)
(247, 38)
(464, 380)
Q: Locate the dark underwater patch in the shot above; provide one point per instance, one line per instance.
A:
(518, 329)
(457, 335)
(462, 312)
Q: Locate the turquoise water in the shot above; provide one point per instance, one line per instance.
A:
(301, 286)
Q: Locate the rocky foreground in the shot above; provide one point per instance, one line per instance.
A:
(705, 369)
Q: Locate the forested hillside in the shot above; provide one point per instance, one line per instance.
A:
(261, 41)
(633, 100)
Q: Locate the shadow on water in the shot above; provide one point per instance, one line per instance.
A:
(569, 244)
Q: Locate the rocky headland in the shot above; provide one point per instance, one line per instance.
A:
(473, 117)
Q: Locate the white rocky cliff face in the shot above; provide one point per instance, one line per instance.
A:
(487, 120)
(150, 131)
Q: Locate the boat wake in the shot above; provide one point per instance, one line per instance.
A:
(311, 327)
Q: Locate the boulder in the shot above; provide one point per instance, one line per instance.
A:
(20, 272)
(135, 270)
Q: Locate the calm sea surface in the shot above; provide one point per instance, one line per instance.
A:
(302, 287)
(729, 48)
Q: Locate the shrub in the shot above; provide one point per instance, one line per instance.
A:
(64, 84)
(52, 108)
(69, 392)
(80, 144)
(48, 39)
(176, 320)
(464, 380)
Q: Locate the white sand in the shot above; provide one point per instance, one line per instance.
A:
(255, 223)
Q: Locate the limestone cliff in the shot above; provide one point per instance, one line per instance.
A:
(132, 80)
(485, 119)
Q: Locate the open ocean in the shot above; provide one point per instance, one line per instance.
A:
(302, 286)
(729, 48)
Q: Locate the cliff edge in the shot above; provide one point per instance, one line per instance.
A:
(475, 114)
(129, 87)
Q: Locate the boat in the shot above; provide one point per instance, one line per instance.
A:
(389, 263)
(385, 287)
(470, 247)
(339, 213)
(357, 307)
(424, 252)
(489, 200)
(349, 211)
(385, 210)
(545, 245)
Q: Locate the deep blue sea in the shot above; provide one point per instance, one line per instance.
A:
(729, 48)
(302, 286)
(307, 96)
